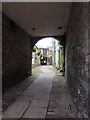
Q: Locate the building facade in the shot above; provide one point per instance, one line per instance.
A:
(35, 56)
(58, 55)
(46, 56)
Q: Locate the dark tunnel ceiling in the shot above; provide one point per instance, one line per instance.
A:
(39, 18)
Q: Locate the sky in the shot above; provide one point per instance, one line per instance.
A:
(44, 43)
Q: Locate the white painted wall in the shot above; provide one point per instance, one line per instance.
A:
(57, 54)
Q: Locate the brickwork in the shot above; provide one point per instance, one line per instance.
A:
(77, 56)
(16, 54)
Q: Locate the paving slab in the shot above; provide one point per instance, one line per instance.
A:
(42, 96)
(33, 102)
(61, 113)
(17, 109)
(10, 96)
(39, 103)
(35, 113)
(46, 97)
(60, 103)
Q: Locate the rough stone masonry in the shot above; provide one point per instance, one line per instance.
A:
(77, 56)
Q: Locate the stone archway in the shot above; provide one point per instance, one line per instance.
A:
(36, 39)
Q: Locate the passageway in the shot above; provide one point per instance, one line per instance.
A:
(46, 97)
(45, 94)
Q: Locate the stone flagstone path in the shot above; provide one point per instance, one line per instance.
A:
(46, 97)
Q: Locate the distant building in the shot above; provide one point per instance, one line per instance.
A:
(50, 56)
(58, 55)
(46, 56)
(35, 56)
(43, 58)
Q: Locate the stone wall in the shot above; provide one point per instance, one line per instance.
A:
(89, 58)
(77, 56)
(0, 49)
(16, 53)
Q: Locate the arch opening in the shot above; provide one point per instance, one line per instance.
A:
(49, 51)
